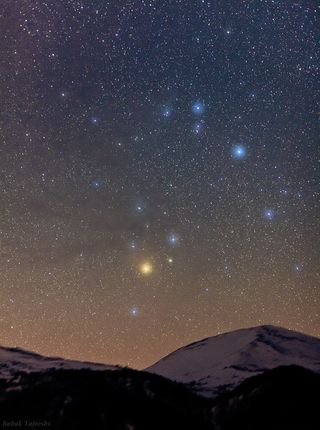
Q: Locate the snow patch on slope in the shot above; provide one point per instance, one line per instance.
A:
(14, 360)
(221, 362)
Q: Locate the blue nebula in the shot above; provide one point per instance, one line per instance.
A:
(167, 112)
(198, 108)
(239, 151)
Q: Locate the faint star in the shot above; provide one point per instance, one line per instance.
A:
(197, 127)
(134, 311)
(95, 184)
(166, 112)
(268, 214)
(198, 108)
(133, 245)
(139, 208)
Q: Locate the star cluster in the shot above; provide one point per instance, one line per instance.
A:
(159, 173)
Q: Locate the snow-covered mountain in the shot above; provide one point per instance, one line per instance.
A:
(210, 366)
(221, 362)
(13, 360)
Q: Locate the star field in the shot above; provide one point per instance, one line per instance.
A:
(159, 173)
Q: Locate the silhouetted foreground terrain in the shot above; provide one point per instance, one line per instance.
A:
(282, 398)
(86, 399)
(285, 398)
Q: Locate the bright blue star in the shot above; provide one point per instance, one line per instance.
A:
(239, 151)
(198, 108)
(268, 214)
(173, 239)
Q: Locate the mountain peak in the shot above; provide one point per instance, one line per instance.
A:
(223, 361)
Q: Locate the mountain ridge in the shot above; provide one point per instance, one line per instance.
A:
(262, 326)
(221, 362)
(209, 366)
(14, 360)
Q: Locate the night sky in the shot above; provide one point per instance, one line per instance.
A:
(159, 173)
